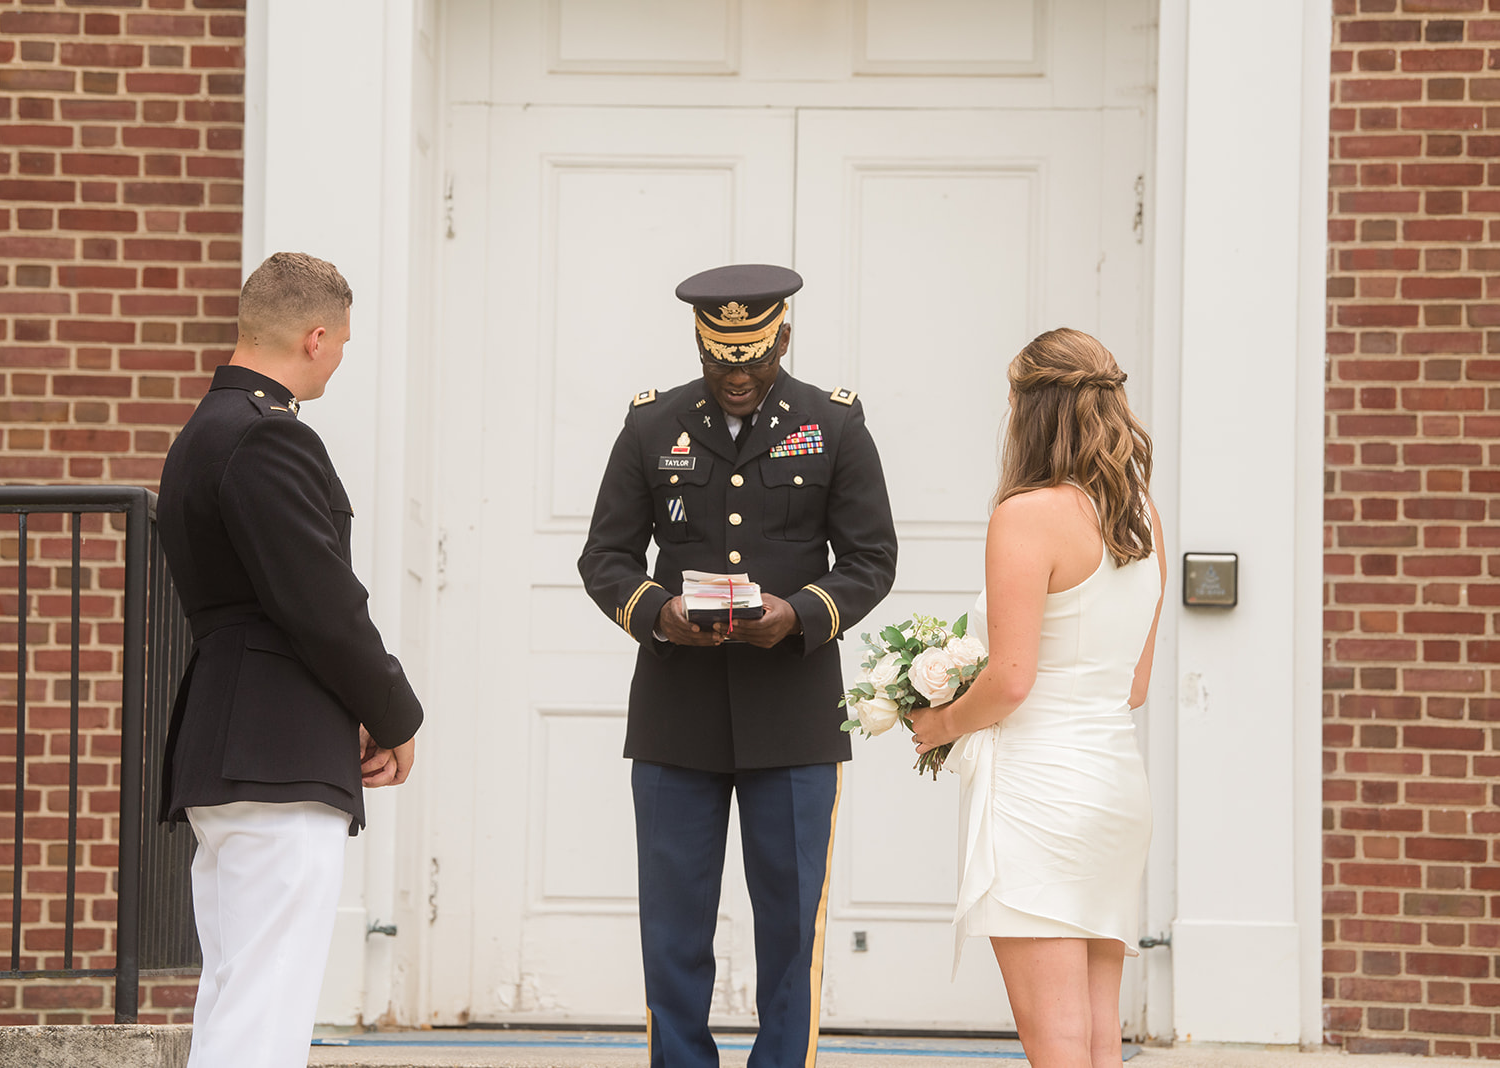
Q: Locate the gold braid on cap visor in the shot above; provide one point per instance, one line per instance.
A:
(740, 346)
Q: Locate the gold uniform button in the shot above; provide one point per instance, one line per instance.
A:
(673, 480)
(734, 557)
(734, 519)
(260, 393)
(797, 480)
(736, 479)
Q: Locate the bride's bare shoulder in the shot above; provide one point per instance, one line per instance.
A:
(1045, 506)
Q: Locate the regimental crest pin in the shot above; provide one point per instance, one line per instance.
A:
(684, 445)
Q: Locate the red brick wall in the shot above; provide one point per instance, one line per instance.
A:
(1412, 655)
(120, 186)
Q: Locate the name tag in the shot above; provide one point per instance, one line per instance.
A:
(676, 463)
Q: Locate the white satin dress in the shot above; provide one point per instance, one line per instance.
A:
(1055, 810)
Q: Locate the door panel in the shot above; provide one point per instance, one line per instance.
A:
(935, 245)
(595, 215)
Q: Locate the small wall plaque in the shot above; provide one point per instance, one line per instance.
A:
(1211, 579)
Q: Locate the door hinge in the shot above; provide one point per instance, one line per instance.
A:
(1151, 943)
(448, 205)
(1138, 224)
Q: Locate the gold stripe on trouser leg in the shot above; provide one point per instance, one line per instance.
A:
(821, 929)
(650, 1021)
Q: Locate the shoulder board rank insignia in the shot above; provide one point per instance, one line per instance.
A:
(843, 396)
(645, 397)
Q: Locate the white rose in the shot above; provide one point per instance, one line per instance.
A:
(877, 715)
(885, 672)
(966, 651)
(929, 675)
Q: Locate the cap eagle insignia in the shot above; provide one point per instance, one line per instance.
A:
(734, 312)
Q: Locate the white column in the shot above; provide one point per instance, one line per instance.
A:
(328, 172)
(1243, 129)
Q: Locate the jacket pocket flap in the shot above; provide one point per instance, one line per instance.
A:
(269, 638)
(795, 471)
(697, 476)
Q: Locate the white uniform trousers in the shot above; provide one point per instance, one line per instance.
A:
(266, 882)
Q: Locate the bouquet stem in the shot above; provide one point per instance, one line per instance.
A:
(932, 760)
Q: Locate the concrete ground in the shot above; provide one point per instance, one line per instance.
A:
(582, 1049)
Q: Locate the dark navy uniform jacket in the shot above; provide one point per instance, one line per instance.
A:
(807, 480)
(286, 662)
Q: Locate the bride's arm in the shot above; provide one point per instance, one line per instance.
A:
(1142, 679)
(1019, 554)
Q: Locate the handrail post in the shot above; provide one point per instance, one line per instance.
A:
(133, 677)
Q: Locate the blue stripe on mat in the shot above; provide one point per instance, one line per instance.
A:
(999, 1049)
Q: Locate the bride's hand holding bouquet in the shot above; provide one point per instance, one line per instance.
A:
(914, 669)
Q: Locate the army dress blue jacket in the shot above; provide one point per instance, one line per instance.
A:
(807, 481)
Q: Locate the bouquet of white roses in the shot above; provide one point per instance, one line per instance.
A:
(917, 664)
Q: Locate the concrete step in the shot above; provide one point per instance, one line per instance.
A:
(145, 1046)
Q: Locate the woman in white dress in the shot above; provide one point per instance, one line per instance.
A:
(1055, 807)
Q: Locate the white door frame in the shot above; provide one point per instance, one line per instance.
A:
(1262, 275)
(1238, 303)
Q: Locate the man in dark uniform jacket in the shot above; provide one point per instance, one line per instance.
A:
(745, 469)
(290, 702)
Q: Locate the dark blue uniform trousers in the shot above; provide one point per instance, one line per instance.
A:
(681, 823)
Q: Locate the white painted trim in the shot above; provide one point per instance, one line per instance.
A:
(1260, 956)
(328, 171)
(1317, 44)
(1164, 226)
(1249, 286)
(257, 57)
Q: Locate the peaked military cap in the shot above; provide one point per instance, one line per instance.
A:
(739, 309)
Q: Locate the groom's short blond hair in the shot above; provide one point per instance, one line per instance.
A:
(290, 294)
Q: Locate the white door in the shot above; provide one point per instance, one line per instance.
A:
(594, 160)
(935, 245)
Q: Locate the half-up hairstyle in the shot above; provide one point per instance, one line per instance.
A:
(1071, 423)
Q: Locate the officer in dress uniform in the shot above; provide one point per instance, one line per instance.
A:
(290, 702)
(745, 469)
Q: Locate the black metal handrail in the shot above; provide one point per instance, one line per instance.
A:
(154, 649)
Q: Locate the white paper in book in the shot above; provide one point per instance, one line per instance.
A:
(706, 592)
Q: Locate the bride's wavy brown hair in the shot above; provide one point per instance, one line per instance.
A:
(1071, 423)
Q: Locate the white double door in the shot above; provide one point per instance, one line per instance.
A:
(933, 244)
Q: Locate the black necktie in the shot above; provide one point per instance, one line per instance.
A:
(743, 433)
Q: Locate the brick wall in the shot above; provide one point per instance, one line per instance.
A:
(1412, 655)
(120, 188)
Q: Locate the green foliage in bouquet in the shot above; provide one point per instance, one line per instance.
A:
(920, 663)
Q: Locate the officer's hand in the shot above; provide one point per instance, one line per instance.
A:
(672, 621)
(376, 765)
(779, 621)
(383, 767)
(405, 754)
(388, 767)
